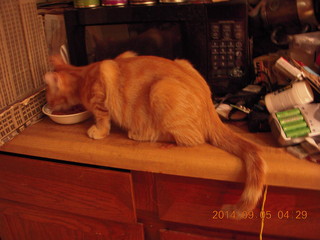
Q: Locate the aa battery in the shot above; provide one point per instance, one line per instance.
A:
(293, 123)
(288, 113)
(284, 121)
(300, 132)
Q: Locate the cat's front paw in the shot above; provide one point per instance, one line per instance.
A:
(96, 133)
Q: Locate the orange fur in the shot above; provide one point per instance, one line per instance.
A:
(155, 99)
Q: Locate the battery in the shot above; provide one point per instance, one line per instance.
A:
(86, 3)
(294, 125)
(288, 113)
(291, 119)
(300, 132)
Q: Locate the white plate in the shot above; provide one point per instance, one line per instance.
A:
(66, 119)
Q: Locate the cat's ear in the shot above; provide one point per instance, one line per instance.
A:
(53, 80)
(56, 61)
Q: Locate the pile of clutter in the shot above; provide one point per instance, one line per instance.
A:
(284, 97)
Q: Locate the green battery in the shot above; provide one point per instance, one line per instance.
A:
(300, 132)
(294, 125)
(288, 113)
(291, 119)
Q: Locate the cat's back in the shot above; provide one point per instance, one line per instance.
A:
(146, 63)
(157, 68)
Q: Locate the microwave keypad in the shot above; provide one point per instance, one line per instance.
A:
(227, 48)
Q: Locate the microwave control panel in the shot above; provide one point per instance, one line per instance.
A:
(228, 49)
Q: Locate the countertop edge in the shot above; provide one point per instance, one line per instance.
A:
(70, 143)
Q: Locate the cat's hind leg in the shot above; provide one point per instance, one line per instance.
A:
(138, 136)
(187, 137)
(174, 108)
(143, 135)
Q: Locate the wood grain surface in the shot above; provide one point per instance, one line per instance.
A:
(98, 193)
(70, 143)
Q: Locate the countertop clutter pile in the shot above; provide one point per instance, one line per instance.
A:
(284, 98)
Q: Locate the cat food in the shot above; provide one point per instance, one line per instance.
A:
(73, 110)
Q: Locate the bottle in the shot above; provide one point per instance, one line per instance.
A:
(86, 3)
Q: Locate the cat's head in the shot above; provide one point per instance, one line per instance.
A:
(61, 86)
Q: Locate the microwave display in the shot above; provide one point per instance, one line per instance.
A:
(212, 36)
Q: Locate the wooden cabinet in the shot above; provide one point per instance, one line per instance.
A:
(50, 200)
(189, 208)
(47, 199)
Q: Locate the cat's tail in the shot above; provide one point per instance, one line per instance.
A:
(226, 139)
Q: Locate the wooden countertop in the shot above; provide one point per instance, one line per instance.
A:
(70, 143)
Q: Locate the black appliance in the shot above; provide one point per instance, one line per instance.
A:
(212, 36)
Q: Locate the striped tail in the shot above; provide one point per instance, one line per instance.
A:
(224, 138)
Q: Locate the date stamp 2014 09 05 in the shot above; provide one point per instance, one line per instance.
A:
(278, 214)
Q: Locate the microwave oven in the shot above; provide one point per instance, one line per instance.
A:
(212, 36)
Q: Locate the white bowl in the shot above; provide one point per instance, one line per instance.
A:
(67, 118)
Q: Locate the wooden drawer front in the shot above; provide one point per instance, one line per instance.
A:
(100, 193)
(288, 213)
(173, 235)
(198, 202)
(27, 222)
(293, 213)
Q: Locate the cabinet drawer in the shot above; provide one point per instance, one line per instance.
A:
(83, 190)
(25, 222)
(289, 213)
(199, 201)
(293, 213)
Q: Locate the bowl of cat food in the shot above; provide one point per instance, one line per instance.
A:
(75, 114)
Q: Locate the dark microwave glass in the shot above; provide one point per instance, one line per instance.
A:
(213, 37)
(108, 41)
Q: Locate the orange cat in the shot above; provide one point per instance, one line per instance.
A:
(155, 99)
